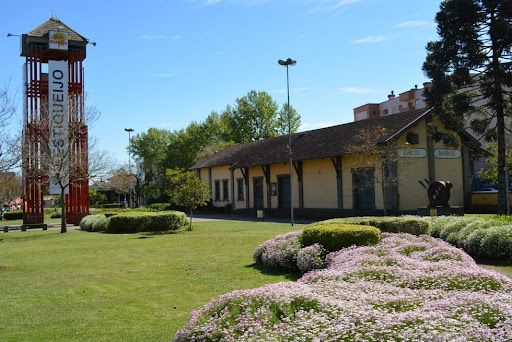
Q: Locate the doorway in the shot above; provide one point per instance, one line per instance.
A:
(258, 192)
(363, 189)
(283, 192)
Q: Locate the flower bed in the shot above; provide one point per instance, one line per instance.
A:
(404, 288)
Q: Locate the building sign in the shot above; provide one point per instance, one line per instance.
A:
(412, 153)
(58, 123)
(58, 40)
(447, 154)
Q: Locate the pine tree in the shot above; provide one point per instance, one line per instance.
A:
(471, 71)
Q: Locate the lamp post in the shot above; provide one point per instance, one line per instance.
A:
(287, 63)
(129, 130)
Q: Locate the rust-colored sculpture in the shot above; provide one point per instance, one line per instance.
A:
(438, 193)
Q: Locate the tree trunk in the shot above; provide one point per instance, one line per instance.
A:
(383, 186)
(497, 98)
(190, 223)
(63, 227)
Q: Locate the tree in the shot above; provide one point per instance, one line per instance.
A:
(95, 197)
(10, 186)
(211, 149)
(63, 164)
(151, 153)
(9, 142)
(371, 150)
(471, 71)
(187, 190)
(295, 121)
(490, 171)
(256, 116)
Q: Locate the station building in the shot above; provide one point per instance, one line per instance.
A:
(330, 180)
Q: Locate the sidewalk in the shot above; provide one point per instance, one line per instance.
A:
(235, 217)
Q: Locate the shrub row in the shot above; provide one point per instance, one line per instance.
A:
(133, 222)
(403, 224)
(146, 222)
(335, 236)
(479, 237)
(13, 215)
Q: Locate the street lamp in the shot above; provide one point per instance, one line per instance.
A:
(129, 130)
(287, 63)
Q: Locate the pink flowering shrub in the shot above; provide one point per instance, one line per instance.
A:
(311, 258)
(406, 288)
(280, 252)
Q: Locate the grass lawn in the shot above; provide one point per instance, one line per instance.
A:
(47, 219)
(137, 287)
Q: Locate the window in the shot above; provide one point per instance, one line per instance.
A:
(413, 138)
(225, 190)
(240, 189)
(385, 112)
(217, 190)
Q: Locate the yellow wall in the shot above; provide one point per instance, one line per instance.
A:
(410, 170)
(319, 184)
(486, 198)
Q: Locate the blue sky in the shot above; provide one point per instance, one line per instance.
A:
(163, 63)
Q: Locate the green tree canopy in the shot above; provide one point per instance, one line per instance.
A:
(471, 70)
(187, 190)
(256, 116)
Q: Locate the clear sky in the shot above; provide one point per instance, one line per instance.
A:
(164, 63)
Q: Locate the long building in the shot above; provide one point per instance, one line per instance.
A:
(329, 179)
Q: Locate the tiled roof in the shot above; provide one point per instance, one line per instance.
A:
(53, 24)
(325, 142)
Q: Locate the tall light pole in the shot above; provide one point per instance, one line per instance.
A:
(129, 130)
(287, 63)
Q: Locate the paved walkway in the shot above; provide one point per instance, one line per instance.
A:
(235, 217)
(50, 226)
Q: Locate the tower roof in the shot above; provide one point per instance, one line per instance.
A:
(53, 24)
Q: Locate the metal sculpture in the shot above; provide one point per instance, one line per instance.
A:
(438, 193)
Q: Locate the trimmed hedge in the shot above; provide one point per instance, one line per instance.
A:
(404, 224)
(13, 215)
(334, 236)
(146, 222)
(94, 223)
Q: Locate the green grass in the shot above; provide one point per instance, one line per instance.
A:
(137, 287)
(47, 219)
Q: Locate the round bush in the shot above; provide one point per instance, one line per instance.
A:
(473, 242)
(280, 252)
(94, 223)
(56, 214)
(311, 258)
(13, 215)
(453, 227)
(497, 242)
(335, 236)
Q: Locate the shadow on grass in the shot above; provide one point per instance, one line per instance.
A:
(163, 232)
(494, 262)
(288, 274)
